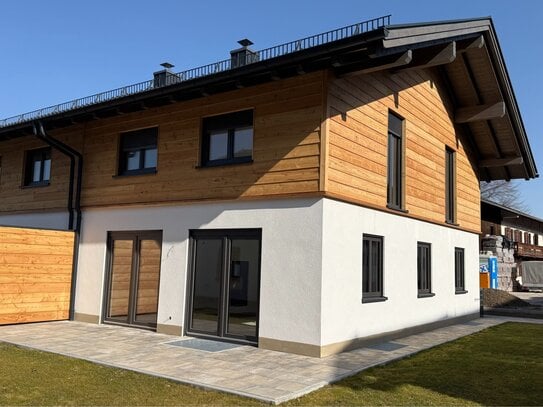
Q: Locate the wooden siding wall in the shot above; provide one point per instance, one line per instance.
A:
(35, 274)
(13, 196)
(287, 117)
(148, 277)
(357, 145)
(121, 272)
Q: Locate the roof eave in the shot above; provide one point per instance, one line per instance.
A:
(412, 36)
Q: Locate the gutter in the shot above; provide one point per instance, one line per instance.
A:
(73, 155)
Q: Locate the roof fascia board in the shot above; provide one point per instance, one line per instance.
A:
(398, 31)
(498, 62)
(400, 39)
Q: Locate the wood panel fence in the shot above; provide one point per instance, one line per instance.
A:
(35, 274)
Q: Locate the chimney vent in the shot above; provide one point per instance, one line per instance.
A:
(167, 65)
(245, 42)
(165, 76)
(244, 55)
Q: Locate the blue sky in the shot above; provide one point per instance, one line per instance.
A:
(57, 50)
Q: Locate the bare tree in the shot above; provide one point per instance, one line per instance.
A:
(504, 193)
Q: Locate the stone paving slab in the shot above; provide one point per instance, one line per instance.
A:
(269, 376)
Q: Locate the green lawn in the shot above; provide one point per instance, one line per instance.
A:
(502, 365)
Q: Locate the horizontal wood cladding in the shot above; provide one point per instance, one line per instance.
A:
(287, 117)
(14, 196)
(357, 135)
(35, 274)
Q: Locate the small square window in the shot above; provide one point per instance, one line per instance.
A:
(227, 139)
(138, 152)
(37, 170)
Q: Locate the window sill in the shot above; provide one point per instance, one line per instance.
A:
(224, 164)
(373, 299)
(395, 208)
(425, 295)
(36, 185)
(133, 173)
(461, 292)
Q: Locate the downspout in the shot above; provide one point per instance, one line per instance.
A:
(72, 154)
(40, 133)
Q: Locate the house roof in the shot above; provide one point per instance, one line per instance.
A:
(504, 215)
(508, 210)
(465, 53)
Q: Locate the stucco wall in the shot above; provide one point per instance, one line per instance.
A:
(291, 258)
(311, 275)
(345, 317)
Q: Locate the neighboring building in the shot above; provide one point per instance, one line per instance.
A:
(525, 230)
(523, 236)
(306, 198)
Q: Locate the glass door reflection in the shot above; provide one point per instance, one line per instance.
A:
(225, 283)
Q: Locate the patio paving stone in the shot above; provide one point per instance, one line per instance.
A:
(248, 371)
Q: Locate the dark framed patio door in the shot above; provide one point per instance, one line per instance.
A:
(224, 284)
(132, 278)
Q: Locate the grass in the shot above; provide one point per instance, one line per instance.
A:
(502, 365)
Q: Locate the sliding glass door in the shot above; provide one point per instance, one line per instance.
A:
(224, 284)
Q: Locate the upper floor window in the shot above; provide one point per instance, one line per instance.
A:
(37, 170)
(450, 185)
(424, 269)
(395, 182)
(227, 139)
(138, 152)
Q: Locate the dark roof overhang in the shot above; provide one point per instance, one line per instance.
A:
(466, 53)
(296, 63)
(468, 56)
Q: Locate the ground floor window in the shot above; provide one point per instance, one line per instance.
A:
(459, 270)
(372, 268)
(424, 269)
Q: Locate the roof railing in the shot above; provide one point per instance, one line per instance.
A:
(201, 71)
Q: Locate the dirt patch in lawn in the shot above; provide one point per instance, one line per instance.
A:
(502, 299)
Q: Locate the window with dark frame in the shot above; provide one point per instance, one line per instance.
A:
(459, 269)
(450, 185)
(395, 162)
(37, 169)
(227, 139)
(424, 269)
(372, 268)
(138, 152)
